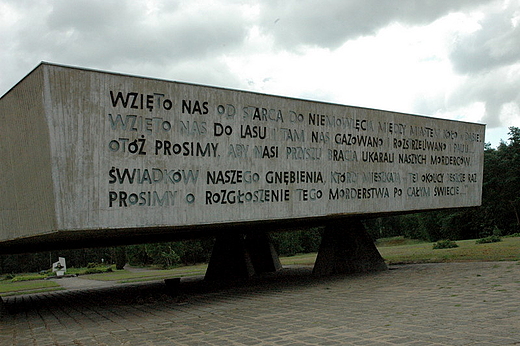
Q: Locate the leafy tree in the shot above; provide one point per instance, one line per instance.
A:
(162, 254)
(500, 203)
(136, 255)
(501, 188)
(290, 243)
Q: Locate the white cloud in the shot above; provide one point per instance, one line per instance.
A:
(330, 23)
(457, 59)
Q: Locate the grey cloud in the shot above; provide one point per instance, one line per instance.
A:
(115, 35)
(108, 33)
(488, 57)
(496, 44)
(494, 89)
(89, 16)
(184, 43)
(330, 23)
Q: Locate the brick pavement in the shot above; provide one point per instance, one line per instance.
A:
(425, 304)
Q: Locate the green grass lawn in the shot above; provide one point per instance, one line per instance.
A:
(8, 288)
(124, 276)
(394, 250)
(506, 250)
(399, 250)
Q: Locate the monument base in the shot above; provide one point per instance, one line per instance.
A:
(237, 256)
(347, 248)
(3, 309)
(262, 253)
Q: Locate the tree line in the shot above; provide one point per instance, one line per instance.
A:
(498, 215)
(165, 255)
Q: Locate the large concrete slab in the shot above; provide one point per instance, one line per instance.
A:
(85, 150)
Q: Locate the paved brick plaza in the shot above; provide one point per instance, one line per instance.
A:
(427, 304)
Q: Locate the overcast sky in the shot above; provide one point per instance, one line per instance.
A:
(452, 59)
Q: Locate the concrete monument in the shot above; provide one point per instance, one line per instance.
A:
(90, 156)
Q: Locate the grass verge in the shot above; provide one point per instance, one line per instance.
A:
(124, 276)
(401, 251)
(9, 288)
(506, 250)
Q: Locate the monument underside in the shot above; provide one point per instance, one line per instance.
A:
(96, 158)
(61, 240)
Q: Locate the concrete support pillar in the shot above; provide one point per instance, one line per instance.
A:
(262, 253)
(3, 309)
(229, 259)
(120, 257)
(347, 248)
(238, 256)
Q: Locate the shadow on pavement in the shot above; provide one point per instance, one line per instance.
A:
(157, 292)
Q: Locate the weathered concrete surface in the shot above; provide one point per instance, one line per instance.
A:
(427, 304)
(92, 156)
(347, 248)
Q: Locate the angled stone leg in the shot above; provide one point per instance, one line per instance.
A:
(229, 259)
(262, 253)
(3, 309)
(347, 248)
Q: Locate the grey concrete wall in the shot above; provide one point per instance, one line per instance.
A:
(129, 152)
(27, 194)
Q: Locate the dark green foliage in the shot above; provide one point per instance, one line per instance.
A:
(501, 188)
(500, 204)
(444, 244)
(385, 227)
(291, 243)
(287, 243)
(35, 262)
(136, 255)
(310, 239)
(9, 276)
(170, 254)
(160, 254)
(195, 251)
(97, 270)
(163, 254)
(490, 239)
(427, 226)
